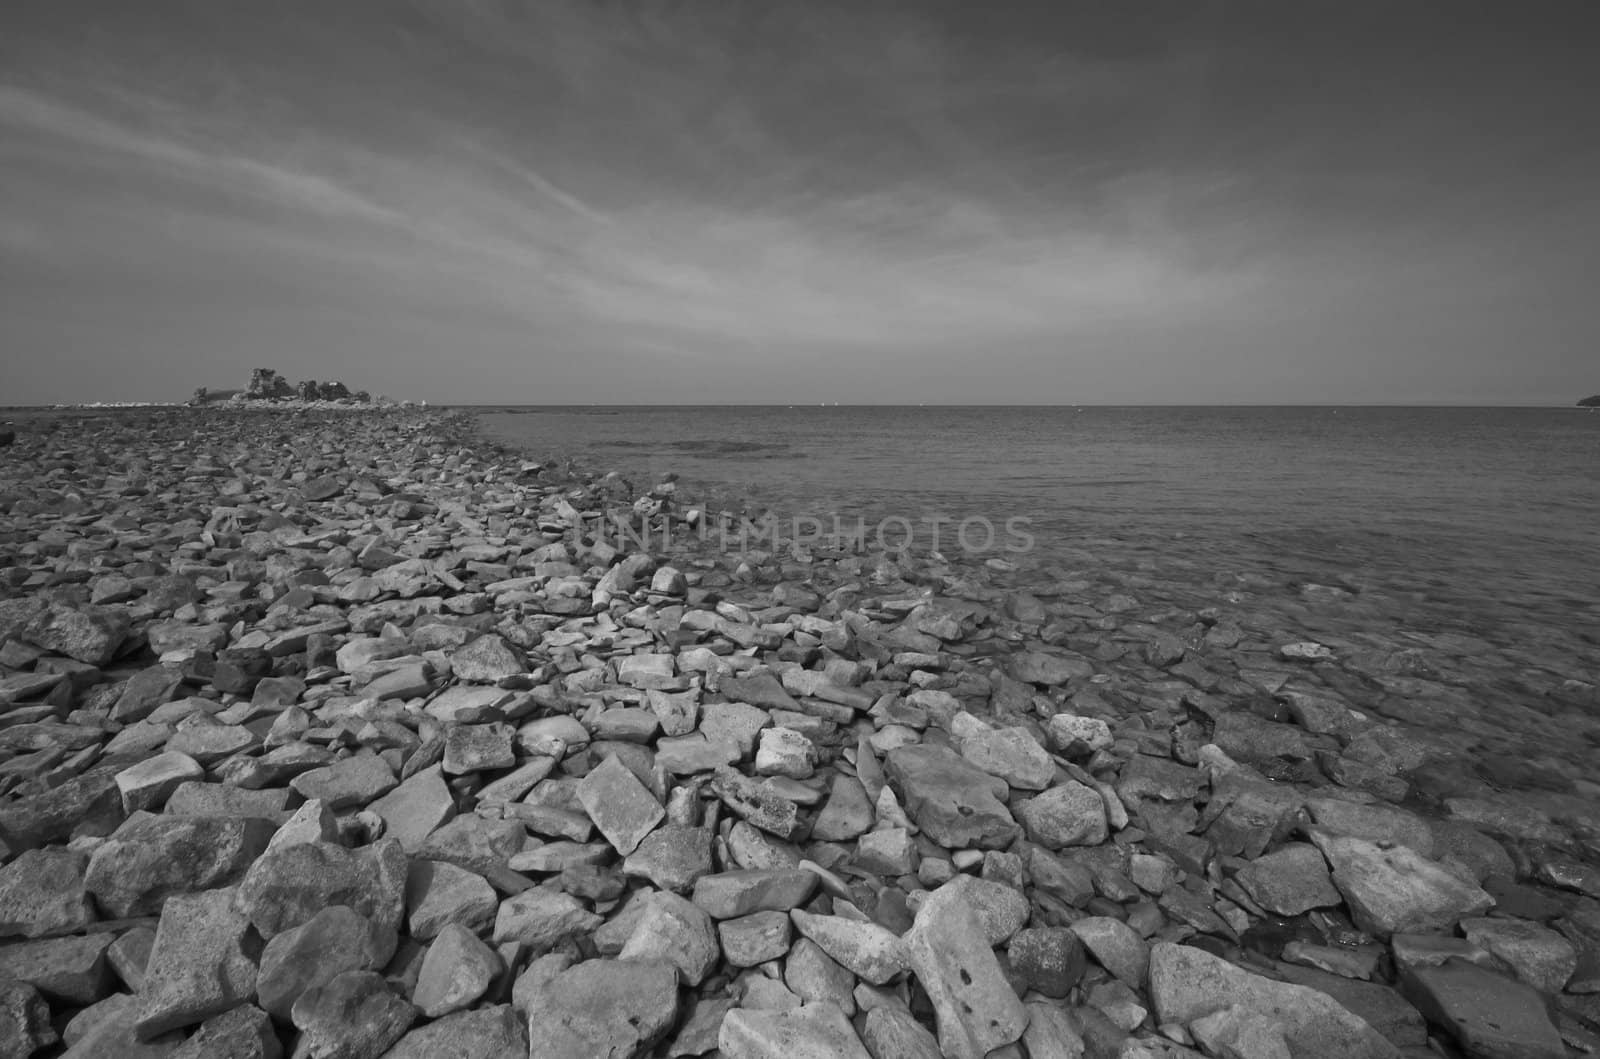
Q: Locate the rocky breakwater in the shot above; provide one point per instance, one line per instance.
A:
(337, 736)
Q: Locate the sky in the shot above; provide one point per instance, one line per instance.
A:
(582, 201)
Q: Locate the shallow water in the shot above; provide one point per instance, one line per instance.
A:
(1468, 537)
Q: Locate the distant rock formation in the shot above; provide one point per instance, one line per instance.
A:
(267, 385)
(1590, 402)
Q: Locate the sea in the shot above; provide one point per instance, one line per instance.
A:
(1472, 533)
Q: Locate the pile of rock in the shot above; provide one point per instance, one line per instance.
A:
(267, 385)
(340, 737)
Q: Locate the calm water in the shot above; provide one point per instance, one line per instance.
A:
(1477, 521)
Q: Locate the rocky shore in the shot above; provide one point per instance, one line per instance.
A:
(334, 735)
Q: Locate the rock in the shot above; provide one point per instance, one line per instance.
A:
(71, 969)
(847, 814)
(1395, 890)
(456, 971)
(975, 1007)
(672, 857)
(477, 1034)
(335, 940)
(869, 951)
(418, 806)
(621, 807)
(672, 930)
(1539, 956)
(478, 747)
(957, 804)
(1076, 736)
(1069, 814)
(1051, 670)
(203, 963)
(148, 784)
(290, 884)
(603, 1008)
(728, 895)
(356, 1015)
(439, 893)
(756, 802)
(813, 1031)
(1116, 946)
(42, 893)
(1050, 960)
(890, 1033)
(542, 919)
(1001, 910)
(487, 660)
(24, 1019)
(1012, 754)
(785, 752)
(754, 939)
(1291, 880)
(1489, 1015)
(107, 1029)
(243, 1032)
(145, 691)
(1187, 984)
(90, 635)
(89, 804)
(352, 781)
(150, 858)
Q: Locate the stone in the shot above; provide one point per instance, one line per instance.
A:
(478, 747)
(88, 805)
(728, 895)
(542, 919)
(456, 971)
(1379, 1006)
(1077, 736)
(675, 712)
(244, 1032)
(1001, 910)
(290, 884)
(439, 893)
(817, 978)
(351, 781)
(42, 893)
(335, 940)
(133, 872)
(603, 1008)
(1188, 984)
(1013, 754)
(1051, 670)
(90, 635)
(1049, 960)
(785, 752)
(673, 930)
(1539, 956)
(672, 857)
(812, 1031)
(416, 808)
(847, 814)
(1289, 881)
(480, 1033)
(1069, 814)
(148, 784)
(24, 1019)
(754, 939)
(70, 969)
(891, 1033)
(356, 1015)
(621, 807)
(957, 804)
(756, 802)
(974, 1005)
(867, 950)
(1489, 1015)
(145, 691)
(203, 963)
(107, 1029)
(487, 660)
(1396, 890)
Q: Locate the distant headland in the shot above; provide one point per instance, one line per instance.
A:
(1590, 402)
(267, 387)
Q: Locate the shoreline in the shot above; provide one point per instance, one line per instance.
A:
(416, 640)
